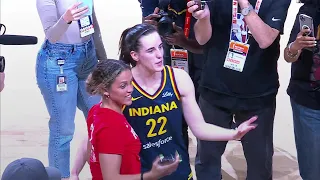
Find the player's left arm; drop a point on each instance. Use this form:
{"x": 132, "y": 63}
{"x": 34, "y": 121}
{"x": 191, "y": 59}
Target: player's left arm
{"x": 194, "y": 118}
{"x": 267, "y": 30}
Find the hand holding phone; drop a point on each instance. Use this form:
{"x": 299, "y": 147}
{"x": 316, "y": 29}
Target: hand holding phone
{"x": 89, "y": 4}
{"x": 306, "y": 22}
{"x": 166, "y": 160}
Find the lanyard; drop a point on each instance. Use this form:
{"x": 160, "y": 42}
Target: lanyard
{"x": 235, "y": 9}
{"x": 187, "y": 23}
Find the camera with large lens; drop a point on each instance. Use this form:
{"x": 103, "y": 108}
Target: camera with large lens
{"x": 165, "y": 21}
{"x": 166, "y": 18}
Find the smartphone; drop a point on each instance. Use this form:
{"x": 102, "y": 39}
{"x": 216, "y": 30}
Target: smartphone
{"x": 88, "y": 3}
{"x": 166, "y": 160}
{"x": 306, "y": 22}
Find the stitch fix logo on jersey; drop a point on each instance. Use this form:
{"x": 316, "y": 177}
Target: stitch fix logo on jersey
{"x": 144, "y": 111}
{"x": 157, "y": 143}
{"x": 167, "y": 94}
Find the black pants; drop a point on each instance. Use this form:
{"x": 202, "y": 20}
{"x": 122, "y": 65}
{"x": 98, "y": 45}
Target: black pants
{"x": 257, "y": 144}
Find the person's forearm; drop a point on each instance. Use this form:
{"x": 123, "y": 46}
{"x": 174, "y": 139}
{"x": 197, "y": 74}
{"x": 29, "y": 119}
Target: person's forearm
{"x": 292, "y": 55}
{"x": 193, "y": 46}
{"x": 146, "y": 176}
{"x": 203, "y": 30}
{"x": 81, "y": 158}
{"x": 261, "y": 32}
{"x": 209, "y": 132}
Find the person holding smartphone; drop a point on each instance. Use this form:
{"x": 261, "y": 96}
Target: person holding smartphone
{"x": 241, "y": 40}
{"x": 304, "y": 88}
{"x": 113, "y": 147}
{"x": 71, "y": 49}
{"x": 159, "y": 101}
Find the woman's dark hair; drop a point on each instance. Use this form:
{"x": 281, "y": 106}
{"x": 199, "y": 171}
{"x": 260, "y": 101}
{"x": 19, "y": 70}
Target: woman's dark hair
{"x": 314, "y": 3}
{"x": 129, "y": 41}
{"x": 104, "y": 75}
{"x": 310, "y": 7}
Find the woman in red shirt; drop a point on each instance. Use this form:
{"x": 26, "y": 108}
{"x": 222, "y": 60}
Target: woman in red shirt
{"x": 114, "y": 145}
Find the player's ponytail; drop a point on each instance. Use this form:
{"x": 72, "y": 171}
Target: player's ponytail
{"x": 129, "y": 41}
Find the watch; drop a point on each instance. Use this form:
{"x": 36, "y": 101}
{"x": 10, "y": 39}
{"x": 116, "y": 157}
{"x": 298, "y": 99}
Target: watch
{"x": 246, "y": 11}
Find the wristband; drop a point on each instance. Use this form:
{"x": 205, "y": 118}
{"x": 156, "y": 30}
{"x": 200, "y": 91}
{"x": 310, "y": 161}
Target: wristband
{"x": 289, "y": 52}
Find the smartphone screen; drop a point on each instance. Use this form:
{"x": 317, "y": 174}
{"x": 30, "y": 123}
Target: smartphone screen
{"x": 88, "y": 3}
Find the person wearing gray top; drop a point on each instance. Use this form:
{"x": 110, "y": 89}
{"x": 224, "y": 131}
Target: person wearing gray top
{"x": 71, "y": 49}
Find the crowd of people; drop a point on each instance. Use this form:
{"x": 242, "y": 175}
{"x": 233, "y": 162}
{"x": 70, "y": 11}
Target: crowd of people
{"x": 210, "y": 66}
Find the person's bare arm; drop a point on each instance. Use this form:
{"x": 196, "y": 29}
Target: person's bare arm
{"x": 202, "y": 27}
{"x": 261, "y": 31}
{"x": 297, "y": 42}
{"x": 194, "y": 118}
{"x": 193, "y": 46}
{"x": 83, "y": 156}
{"x": 110, "y": 168}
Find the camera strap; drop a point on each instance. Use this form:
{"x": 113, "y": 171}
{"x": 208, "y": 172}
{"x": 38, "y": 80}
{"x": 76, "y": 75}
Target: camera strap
{"x": 236, "y": 17}
{"x": 187, "y": 23}
{"x": 238, "y": 46}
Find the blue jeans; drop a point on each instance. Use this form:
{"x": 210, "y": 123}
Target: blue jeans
{"x": 79, "y": 62}
{"x": 307, "y": 136}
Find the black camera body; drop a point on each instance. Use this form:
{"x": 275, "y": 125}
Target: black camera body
{"x": 165, "y": 26}
{"x": 167, "y": 18}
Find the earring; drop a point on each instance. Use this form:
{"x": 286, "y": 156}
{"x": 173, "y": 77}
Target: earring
{"x": 108, "y": 96}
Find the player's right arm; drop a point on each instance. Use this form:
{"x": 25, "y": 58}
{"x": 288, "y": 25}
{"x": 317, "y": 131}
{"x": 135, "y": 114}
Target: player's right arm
{"x": 194, "y": 117}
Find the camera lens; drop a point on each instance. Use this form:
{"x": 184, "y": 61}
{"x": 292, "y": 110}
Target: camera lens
{"x": 165, "y": 26}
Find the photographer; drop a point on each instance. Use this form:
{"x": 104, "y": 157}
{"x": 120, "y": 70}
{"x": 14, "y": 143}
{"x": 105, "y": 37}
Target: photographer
{"x": 240, "y": 78}
{"x": 304, "y": 88}
{"x": 182, "y": 39}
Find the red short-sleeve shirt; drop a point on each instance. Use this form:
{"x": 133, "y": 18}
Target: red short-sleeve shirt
{"x": 110, "y": 133}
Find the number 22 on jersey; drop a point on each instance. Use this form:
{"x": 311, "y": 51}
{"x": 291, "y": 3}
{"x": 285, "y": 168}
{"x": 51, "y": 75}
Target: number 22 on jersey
{"x": 162, "y": 121}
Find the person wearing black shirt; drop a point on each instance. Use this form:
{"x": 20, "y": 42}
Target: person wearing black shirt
{"x": 150, "y": 9}
{"x": 239, "y": 77}
{"x": 304, "y": 90}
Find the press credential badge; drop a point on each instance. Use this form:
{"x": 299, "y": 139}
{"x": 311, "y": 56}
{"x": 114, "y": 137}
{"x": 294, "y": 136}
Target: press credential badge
{"x": 179, "y": 59}
{"x": 86, "y": 26}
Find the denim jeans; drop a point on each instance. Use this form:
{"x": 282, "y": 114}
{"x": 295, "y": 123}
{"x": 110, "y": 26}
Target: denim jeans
{"x": 257, "y": 144}
{"x": 306, "y": 123}
{"x": 79, "y": 62}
